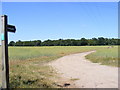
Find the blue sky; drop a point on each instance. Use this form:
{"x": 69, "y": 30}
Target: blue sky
{"x": 67, "y": 20}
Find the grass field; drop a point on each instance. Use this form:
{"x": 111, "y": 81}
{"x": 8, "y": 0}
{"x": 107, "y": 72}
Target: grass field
{"x": 28, "y": 67}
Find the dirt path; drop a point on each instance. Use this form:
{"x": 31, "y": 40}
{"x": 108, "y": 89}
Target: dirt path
{"x": 84, "y": 73}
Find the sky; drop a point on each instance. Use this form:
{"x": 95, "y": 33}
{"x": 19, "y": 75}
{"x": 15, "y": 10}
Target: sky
{"x": 65, "y": 20}
{"x": 60, "y": 0}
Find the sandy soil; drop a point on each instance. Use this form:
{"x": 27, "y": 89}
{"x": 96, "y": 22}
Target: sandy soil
{"x": 84, "y": 73}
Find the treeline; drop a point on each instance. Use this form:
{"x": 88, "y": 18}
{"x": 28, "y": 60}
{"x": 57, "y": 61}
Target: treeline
{"x": 68, "y": 42}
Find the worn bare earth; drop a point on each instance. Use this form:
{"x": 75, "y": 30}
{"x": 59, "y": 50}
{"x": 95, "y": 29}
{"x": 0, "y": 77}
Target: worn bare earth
{"x": 84, "y": 73}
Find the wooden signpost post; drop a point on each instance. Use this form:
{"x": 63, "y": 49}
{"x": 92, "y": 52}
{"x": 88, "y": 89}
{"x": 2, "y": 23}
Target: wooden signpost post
{"x": 4, "y": 42}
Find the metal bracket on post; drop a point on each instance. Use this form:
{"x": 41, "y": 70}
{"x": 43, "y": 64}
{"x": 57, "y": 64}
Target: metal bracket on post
{"x": 5, "y": 62}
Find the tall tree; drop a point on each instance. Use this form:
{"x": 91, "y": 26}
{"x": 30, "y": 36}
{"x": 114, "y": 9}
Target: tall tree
{"x": 101, "y": 41}
{"x": 84, "y": 42}
{"x": 12, "y": 43}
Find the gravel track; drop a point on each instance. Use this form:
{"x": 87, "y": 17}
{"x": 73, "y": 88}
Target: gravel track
{"x": 85, "y": 73}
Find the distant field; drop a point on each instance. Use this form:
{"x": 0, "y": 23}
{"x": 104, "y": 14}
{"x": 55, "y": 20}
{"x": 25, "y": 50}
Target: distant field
{"x": 23, "y": 53}
{"x": 28, "y": 67}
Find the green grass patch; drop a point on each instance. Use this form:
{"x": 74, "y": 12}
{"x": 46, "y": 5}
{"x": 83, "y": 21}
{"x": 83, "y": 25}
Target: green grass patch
{"x": 74, "y": 79}
{"x": 105, "y": 56}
